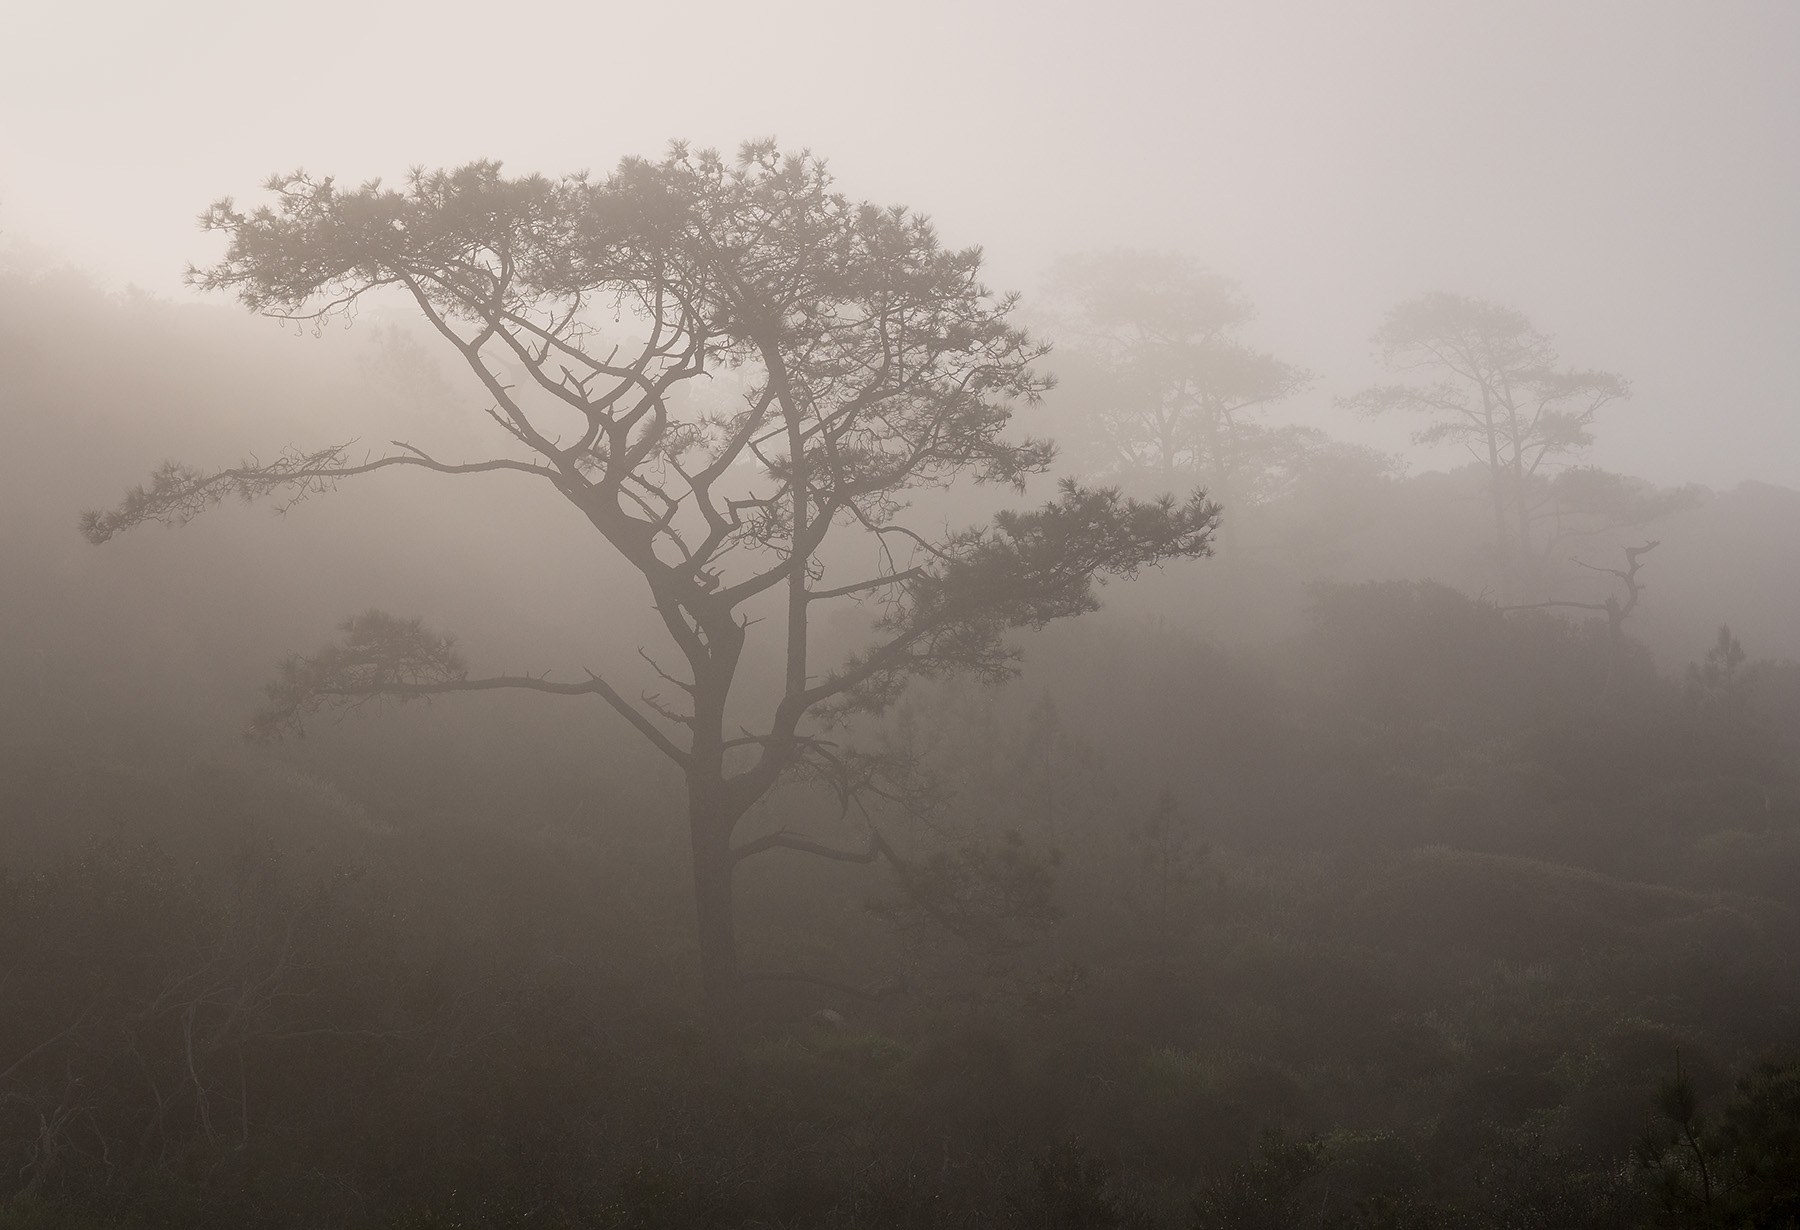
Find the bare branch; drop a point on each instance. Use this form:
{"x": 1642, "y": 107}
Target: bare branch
{"x": 177, "y": 493}
{"x": 842, "y": 591}
{"x": 382, "y": 656}
{"x": 784, "y": 840}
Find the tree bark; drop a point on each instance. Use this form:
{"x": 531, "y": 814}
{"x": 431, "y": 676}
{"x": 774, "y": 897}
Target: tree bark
{"x": 710, "y": 830}
{"x": 1529, "y": 573}
{"x": 1497, "y": 494}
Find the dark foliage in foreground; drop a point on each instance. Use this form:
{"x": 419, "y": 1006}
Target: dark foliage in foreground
{"x": 261, "y": 1002}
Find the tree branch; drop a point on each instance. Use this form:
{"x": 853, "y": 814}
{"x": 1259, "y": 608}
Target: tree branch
{"x": 177, "y": 493}
{"x": 878, "y": 848}
{"x": 842, "y": 591}
{"x": 381, "y": 655}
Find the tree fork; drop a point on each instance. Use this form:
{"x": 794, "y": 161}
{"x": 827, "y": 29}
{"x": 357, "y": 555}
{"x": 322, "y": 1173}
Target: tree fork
{"x": 887, "y": 367}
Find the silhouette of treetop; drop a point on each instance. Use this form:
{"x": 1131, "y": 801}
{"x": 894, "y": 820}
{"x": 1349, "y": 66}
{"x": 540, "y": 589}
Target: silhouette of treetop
{"x": 719, "y": 363}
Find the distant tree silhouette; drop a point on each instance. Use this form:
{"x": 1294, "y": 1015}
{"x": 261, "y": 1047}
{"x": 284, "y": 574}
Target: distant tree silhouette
{"x": 1493, "y": 384}
{"x": 1177, "y": 393}
{"x": 872, "y": 362}
{"x": 1172, "y": 863}
{"x": 1615, "y": 607}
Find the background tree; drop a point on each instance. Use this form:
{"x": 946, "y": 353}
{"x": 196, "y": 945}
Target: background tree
{"x": 1616, "y": 606}
{"x": 1061, "y": 775}
{"x": 1739, "y": 1166}
{"x": 1174, "y": 391}
{"x": 1173, "y": 860}
{"x": 873, "y": 363}
{"x": 1720, "y": 687}
{"x": 1497, "y": 388}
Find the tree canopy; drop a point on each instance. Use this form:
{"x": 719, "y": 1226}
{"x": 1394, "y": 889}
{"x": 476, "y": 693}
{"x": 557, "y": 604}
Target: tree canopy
{"x": 867, "y": 361}
{"x": 1176, "y": 392}
{"x": 1492, "y": 384}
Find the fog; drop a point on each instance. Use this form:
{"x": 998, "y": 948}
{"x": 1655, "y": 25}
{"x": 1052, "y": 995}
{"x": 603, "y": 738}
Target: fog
{"x": 1352, "y": 780}
{"x": 1619, "y": 170}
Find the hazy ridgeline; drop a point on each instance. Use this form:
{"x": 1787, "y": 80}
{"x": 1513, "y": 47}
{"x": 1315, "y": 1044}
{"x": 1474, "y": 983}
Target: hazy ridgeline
{"x": 1301, "y": 885}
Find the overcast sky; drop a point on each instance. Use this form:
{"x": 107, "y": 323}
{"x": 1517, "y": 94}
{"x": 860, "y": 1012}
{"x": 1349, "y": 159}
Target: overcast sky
{"x": 1626, "y": 173}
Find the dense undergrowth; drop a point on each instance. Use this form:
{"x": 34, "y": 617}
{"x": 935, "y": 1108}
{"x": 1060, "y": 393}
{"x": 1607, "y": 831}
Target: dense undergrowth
{"x": 1420, "y": 934}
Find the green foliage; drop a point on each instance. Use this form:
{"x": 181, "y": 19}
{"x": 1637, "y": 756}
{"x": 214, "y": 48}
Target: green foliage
{"x": 1738, "y": 1167}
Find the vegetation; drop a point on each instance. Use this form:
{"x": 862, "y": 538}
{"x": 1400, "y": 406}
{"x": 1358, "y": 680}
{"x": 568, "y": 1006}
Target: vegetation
{"x": 1490, "y": 383}
{"x": 1396, "y": 908}
{"x": 1171, "y": 391}
{"x": 871, "y": 362}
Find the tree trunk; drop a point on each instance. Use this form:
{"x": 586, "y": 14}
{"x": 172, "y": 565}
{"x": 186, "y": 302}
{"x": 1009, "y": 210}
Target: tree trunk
{"x": 1529, "y": 572}
{"x": 713, "y": 909}
{"x": 1497, "y": 494}
{"x": 1615, "y": 650}
{"x": 1223, "y": 447}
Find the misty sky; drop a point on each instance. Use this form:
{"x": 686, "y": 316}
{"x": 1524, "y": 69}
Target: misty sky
{"x": 1627, "y": 173}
